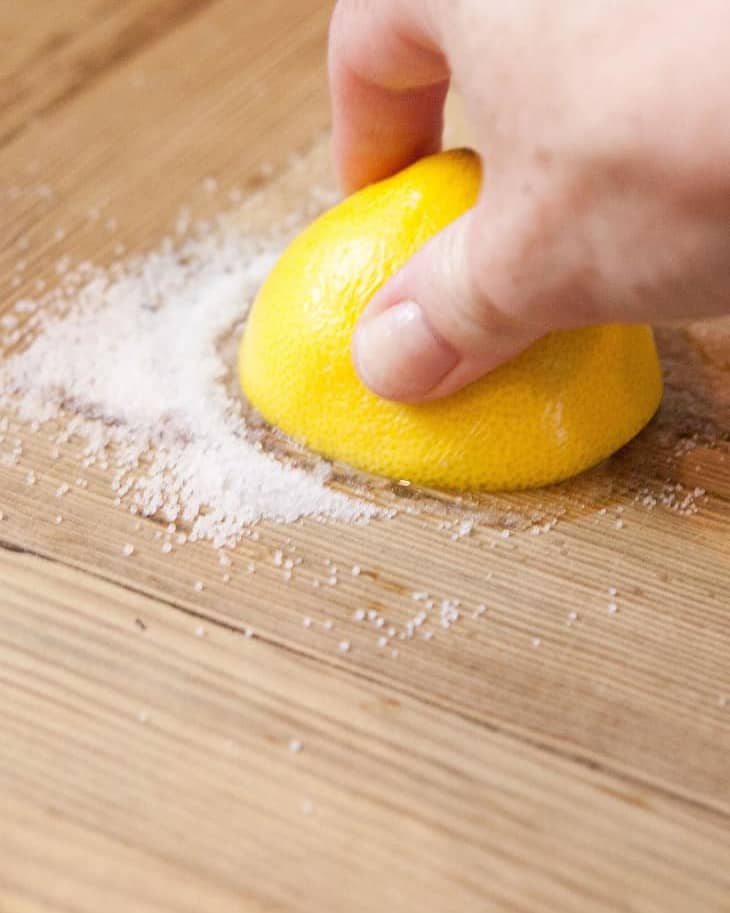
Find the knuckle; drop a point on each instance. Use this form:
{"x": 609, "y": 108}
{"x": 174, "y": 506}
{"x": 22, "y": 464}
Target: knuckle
{"x": 484, "y": 309}
{"x": 524, "y": 272}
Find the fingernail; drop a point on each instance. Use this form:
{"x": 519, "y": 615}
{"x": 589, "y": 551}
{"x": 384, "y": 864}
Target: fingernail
{"x": 398, "y": 355}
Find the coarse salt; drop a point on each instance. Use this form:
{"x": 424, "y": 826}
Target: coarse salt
{"x": 132, "y": 360}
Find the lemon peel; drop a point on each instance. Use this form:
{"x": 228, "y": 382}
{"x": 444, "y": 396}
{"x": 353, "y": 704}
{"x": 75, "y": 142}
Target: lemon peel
{"x": 565, "y": 404}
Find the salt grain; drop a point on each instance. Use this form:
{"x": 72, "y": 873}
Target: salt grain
{"x": 344, "y": 646}
{"x": 179, "y": 439}
{"x": 295, "y": 746}
{"x": 128, "y": 550}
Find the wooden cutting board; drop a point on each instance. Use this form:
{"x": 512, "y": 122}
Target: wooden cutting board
{"x": 543, "y": 754}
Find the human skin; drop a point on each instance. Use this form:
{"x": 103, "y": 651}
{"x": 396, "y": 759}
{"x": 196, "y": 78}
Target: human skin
{"x": 604, "y": 132}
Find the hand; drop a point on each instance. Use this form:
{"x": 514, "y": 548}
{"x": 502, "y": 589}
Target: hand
{"x": 604, "y": 132}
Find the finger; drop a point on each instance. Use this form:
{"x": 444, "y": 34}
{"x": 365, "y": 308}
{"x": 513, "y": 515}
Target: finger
{"x": 389, "y": 80}
{"x": 452, "y": 314}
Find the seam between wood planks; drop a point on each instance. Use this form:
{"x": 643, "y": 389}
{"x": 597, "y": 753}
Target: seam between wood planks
{"x": 131, "y": 42}
{"x": 520, "y": 737}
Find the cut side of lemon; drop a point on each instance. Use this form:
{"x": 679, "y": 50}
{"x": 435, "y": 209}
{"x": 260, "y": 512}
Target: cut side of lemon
{"x": 565, "y": 404}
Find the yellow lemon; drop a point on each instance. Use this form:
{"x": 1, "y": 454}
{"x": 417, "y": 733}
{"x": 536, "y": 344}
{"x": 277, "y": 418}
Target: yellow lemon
{"x": 561, "y": 406}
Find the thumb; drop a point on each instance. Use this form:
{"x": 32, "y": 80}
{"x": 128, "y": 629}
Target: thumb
{"x": 435, "y": 327}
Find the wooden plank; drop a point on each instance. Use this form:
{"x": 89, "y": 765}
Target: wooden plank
{"x": 474, "y": 771}
{"x": 621, "y": 690}
{"x": 144, "y": 768}
{"x": 627, "y": 691}
{"x": 80, "y": 182}
{"x": 52, "y": 50}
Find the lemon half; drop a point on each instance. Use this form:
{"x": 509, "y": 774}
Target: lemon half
{"x": 563, "y": 405}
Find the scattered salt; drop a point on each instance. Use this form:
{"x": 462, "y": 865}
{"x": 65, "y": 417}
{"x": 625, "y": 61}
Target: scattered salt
{"x": 177, "y": 437}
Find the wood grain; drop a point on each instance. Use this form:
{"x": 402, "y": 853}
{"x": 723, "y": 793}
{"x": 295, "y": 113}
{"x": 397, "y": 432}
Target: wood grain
{"x": 52, "y": 51}
{"x": 160, "y": 762}
{"x": 545, "y": 755}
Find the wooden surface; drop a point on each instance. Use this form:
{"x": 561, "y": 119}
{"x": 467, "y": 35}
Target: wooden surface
{"x": 525, "y": 760}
